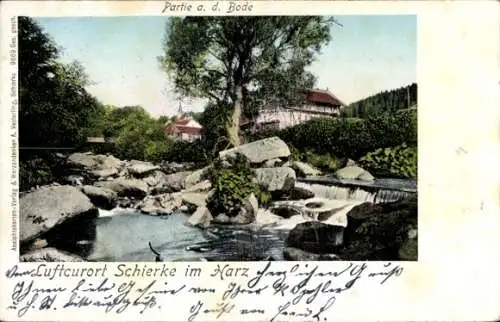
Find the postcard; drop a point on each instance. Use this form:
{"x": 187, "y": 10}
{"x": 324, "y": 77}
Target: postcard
{"x": 250, "y": 161}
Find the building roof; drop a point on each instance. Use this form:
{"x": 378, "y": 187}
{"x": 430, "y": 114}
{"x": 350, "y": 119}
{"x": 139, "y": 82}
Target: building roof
{"x": 183, "y": 124}
{"x": 321, "y": 96}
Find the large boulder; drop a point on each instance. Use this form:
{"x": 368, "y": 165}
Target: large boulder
{"x": 248, "y": 211}
{"x": 196, "y": 177}
{"x": 156, "y": 178}
{"x": 103, "y": 174}
{"x": 90, "y": 161}
{"x": 316, "y": 237}
{"x": 260, "y": 151}
{"x": 354, "y": 173}
{"x": 160, "y": 204}
{"x": 50, "y": 255}
{"x": 201, "y": 218}
{"x": 140, "y": 168}
{"x": 381, "y": 232}
{"x": 276, "y": 179}
{"x": 194, "y": 199}
{"x": 101, "y": 197}
{"x": 126, "y": 187}
{"x": 62, "y": 215}
{"x": 303, "y": 169}
{"x": 176, "y": 181}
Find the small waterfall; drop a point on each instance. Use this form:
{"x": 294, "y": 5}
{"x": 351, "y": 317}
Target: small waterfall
{"x": 341, "y": 193}
{"x": 112, "y": 212}
{"x": 376, "y": 195}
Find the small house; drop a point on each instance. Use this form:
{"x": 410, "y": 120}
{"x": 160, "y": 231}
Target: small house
{"x": 184, "y": 128}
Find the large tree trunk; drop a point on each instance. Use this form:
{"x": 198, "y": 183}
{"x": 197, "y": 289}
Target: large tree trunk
{"x": 233, "y": 128}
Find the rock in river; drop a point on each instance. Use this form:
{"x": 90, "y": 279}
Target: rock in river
{"x": 260, "y": 151}
{"x": 316, "y": 237}
{"x": 276, "y": 179}
{"x": 354, "y": 173}
{"x": 201, "y": 217}
{"x": 62, "y": 215}
{"x": 101, "y": 197}
{"x": 126, "y": 187}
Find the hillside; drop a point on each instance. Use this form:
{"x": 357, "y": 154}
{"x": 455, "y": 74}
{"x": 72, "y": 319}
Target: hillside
{"x": 392, "y": 100}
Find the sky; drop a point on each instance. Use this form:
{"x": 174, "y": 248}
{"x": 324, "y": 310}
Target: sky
{"x": 368, "y": 54}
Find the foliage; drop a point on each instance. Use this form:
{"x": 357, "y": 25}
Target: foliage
{"x": 232, "y": 184}
{"x": 324, "y": 162}
{"x": 40, "y": 168}
{"x": 55, "y": 109}
{"x": 137, "y": 135}
{"x": 214, "y": 120}
{"x": 242, "y": 62}
{"x": 349, "y": 137}
{"x": 400, "y": 161}
{"x": 184, "y": 151}
{"x": 386, "y": 101}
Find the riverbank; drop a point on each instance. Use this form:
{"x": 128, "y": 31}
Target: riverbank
{"x": 298, "y": 213}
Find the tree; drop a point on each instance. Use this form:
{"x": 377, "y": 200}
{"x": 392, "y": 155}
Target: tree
{"x": 242, "y": 62}
{"x": 55, "y": 109}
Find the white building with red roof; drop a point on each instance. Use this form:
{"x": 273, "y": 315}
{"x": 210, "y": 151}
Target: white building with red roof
{"x": 184, "y": 128}
{"x": 315, "y": 103}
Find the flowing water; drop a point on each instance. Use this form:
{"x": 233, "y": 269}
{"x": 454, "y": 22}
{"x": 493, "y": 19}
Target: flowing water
{"x": 380, "y": 190}
{"x": 123, "y": 234}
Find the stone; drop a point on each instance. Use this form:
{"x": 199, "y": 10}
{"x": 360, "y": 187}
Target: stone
{"x": 354, "y": 173}
{"x": 408, "y": 251}
{"x": 201, "y": 218}
{"x": 296, "y": 254}
{"x": 61, "y": 215}
{"x": 125, "y": 187}
{"x": 194, "y": 199}
{"x": 324, "y": 209}
{"x": 265, "y": 218}
{"x": 160, "y": 204}
{"x": 74, "y": 180}
{"x": 316, "y": 237}
{"x": 175, "y": 181}
{"x": 275, "y": 179}
{"x": 222, "y": 219}
{"x": 90, "y": 161}
{"x": 196, "y": 177}
{"x": 49, "y": 255}
{"x": 204, "y": 185}
{"x": 260, "y": 151}
{"x": 103, "y": 174}
{"x": 141, "y": 168}
{"x": 156, "y": 178}
{"x": 303, "y": 169}
{"x": 101, "y": 197}
{"x": 286, "y": 209}
{"x": 273, "y": 163}
{"x": 50, "y": 206}
{"x": 381, "y": 232}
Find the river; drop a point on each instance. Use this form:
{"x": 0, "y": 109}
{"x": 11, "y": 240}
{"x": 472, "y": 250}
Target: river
{"x": 124, "y": 236}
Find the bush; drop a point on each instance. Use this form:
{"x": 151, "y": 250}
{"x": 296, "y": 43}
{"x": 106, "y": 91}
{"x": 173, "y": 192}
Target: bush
{"x": 40, "y": 169}
{"x": 399, "y": 161}
{"x": 232, "y": 184}
{"x": 324, "y": 162}
{"x": 350, "y": 137}
{"x": 184, "y": 151}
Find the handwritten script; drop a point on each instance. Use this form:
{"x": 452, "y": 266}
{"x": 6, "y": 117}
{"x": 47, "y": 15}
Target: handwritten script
{"x": 302, "y": 292}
